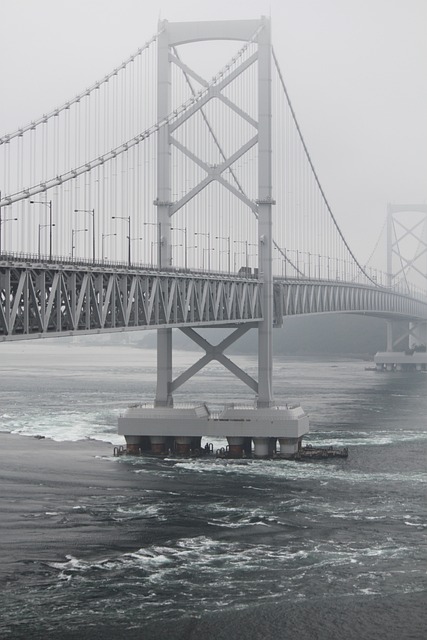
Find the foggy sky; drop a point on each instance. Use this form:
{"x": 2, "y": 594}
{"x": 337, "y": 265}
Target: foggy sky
{"x": 355, "y": 70}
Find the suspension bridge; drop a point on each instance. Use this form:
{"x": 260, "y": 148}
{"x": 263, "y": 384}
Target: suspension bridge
{"x": 158, "y": 198}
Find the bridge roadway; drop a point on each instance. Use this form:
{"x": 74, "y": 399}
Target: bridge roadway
{"x": 46, "y": 299}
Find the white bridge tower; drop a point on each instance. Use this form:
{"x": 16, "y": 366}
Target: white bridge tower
{"x": 163, "y": 425}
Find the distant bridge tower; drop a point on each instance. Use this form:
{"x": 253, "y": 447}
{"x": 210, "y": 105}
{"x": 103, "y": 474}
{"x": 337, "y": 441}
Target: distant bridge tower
{"x": 264, "y": 422}
{"x": 406, "y": 261}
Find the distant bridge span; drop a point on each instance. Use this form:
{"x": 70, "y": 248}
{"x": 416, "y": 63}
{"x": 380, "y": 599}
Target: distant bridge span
{"x": 42, "y": 299}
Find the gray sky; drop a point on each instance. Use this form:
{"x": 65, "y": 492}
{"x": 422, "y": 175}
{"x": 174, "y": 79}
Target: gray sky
{"x": 356, "y": 71}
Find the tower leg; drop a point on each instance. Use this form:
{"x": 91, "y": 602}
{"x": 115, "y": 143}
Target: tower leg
{"x": 265, "y": 225}
{"x": 164, "y": 368}
{"x": 389, "y": 335}
{"x": 417, "y": 335}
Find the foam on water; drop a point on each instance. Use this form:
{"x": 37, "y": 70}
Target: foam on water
{"x": 65, "y": 425}
{"x": 364, "y": 438}
{"x": 207, "y": 535}
{"x": 207, "y": 568}
{"x": 289, "y": 470}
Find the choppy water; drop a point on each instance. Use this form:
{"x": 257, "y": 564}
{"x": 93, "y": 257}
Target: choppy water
{"x": 215, "y": 535}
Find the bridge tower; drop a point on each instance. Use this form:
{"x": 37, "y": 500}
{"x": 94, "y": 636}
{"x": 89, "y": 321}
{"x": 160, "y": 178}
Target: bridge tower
{"x": 406, "y": 256}
{"x": 163, "y": 425}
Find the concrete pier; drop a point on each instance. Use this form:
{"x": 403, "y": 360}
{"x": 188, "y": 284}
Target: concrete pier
{"x": 401, "y": 361}
{"x": 235, "y": 446}
{"x": 158, "y": 444}
{"x": 185, "y": 425}
{"x": 288, "y": 447}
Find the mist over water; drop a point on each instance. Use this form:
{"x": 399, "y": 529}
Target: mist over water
{"x": 208, "y": 537}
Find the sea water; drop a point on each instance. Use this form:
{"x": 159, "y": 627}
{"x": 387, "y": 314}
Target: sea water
{"x": 220, "y": 535}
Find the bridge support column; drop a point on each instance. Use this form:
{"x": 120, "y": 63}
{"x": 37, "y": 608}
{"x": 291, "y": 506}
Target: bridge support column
{"x": 417, "y": 335}
{"x": 158, "y": 444}
{"x": 183, "y": 445}
{"x": 235, "y": 446}
{"x": 288, "y": 447}
{"x": 261, "y": 447}
{"x": 389, "y": 335}
{"x": 135, "y": 444}
{"x": 164, "y": 368}
{"x": 265, "y": 202}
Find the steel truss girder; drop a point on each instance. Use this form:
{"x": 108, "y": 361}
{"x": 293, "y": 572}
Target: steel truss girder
{"x": 37, "y": 301}
{"x": 303, "y": 297}
{"x": 44, "y": 300}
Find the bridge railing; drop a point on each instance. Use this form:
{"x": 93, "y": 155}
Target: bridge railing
{"x": 108, "y": 265}
{"x": 380, "y": 278}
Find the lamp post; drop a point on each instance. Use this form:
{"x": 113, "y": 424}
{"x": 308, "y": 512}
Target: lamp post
{"x": 208, "y": 236}
{"x": 103, "y": 236}
{"x": 247, "y": 245}
{"x": 238, "y": 253}
{"x": 159, "y": 240}
{"x": 208, "y": 251}
{"x": 178, "y": 244}
{"x": 229, "y": 249}
{"x": 319, "y": 267}
{"x": 1, "y": 223}
{"x": 92, "y": 213}
{"x": 184, "y": 231}
{"x": 193, "y": 246}
{"x": 41, "y": 226}
{"x": 127, "y": 218}
{"x": 133, "y": 240}
{"x": 47, "y": 204}
{"x": 152, "y": 245}
{"x": 73, "y": 237}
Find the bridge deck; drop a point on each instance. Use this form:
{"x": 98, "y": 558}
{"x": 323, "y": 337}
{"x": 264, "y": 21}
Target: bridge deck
{"x": 41, "y": 299}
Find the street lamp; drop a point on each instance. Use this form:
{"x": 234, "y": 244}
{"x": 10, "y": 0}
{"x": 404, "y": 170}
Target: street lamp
{"x": 178, "y": 244}
{"x": 103, "y": 236}
{"x": 73, "y": 236}
{"x": 127, "y": 218}
{"x": 152, "y": 245}
{"x": 92, "y": 213}
{"x": 229, "y": 249}
{"x": 319, "y": 267}
{"x": 208, "y": 235}
{"x": 184, "y": 231}
{"x": 41, "y": 226}
{"x": 208, "y": 251}
{"x": 247, "y": 244}
{"x": 47, "y": 204}
{"x": 193, "y": 246}
{"x": 237, "y": 253}
{"x": 133, "y": 240}
{"x": 1, "y": 223}
{"x": 159, "y": 241}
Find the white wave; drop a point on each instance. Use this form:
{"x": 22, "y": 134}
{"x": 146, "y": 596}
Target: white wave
{"x": 419, "y": 525}
{"x": 291, "y": 470}
{"x": 364, "y": 438}
{"x": 65, "y": 425}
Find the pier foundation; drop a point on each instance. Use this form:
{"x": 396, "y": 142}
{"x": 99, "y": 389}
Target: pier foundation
{"x": 240, "y": 424}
